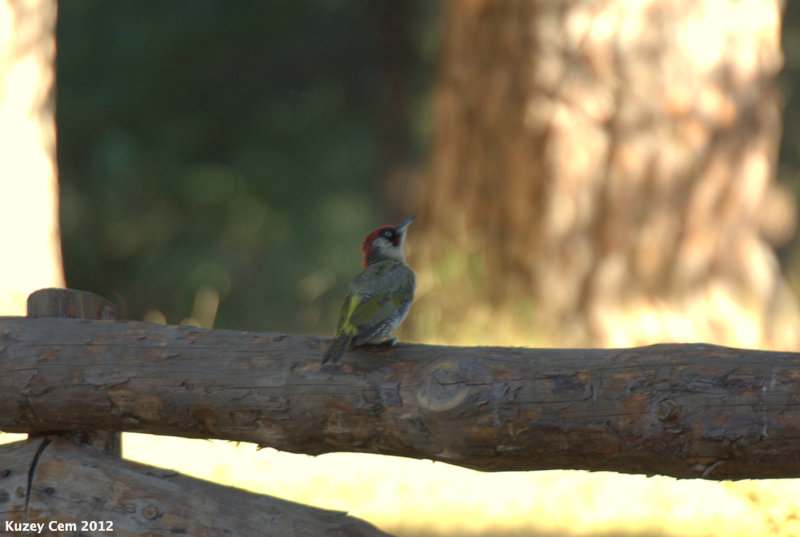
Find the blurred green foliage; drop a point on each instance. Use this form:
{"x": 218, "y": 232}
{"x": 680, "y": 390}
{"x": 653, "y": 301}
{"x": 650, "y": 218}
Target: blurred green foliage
{"x": 225, "y": 144}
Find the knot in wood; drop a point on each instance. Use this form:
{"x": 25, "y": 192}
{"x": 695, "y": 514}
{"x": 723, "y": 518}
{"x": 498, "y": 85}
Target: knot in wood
{"x": 444, "y": 386}
{"x": 151, "y": 512}
{"x": 667, "y": 410}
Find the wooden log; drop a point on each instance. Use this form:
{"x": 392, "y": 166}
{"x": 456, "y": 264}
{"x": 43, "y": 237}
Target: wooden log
{"x": 76, "y": 304}
{"x": 71, "y": 303}
{"x": 76, "y": 489}
{"x": 690, "y": 410}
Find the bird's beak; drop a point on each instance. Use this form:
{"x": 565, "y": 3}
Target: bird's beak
{"x": 402, "y": 227}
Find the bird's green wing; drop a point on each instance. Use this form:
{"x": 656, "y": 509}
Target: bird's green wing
{"x": 374, "y": 296}
{"x": 349, "y": 308}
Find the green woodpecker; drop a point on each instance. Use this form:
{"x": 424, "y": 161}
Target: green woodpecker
{"x": 379, "y": 297}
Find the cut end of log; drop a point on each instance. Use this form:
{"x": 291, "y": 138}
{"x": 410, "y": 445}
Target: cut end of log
{"x": 69, "y": 303}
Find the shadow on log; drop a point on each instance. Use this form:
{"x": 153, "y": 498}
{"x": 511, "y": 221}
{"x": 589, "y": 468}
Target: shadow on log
{"x": 680, "y": 410}
{"x": 51, "y": 482}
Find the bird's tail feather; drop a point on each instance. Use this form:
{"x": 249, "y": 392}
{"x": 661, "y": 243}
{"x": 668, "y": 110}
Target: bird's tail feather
{"x": 339, "y": 346}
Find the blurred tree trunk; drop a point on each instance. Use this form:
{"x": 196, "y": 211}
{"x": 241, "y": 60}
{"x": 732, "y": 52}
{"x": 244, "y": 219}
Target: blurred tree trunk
{"x": 31, "y": 253}
{"x": 603, "y": 172}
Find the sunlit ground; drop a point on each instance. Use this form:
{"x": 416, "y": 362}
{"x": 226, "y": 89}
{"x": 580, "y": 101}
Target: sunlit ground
{"x": 422, "y": 498}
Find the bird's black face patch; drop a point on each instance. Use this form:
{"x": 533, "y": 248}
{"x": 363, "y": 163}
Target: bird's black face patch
{"x": 391, "y": 235}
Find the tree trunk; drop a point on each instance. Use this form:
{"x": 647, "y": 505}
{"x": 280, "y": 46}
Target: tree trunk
{"x": 28, "y": 187}
{"x": 58, "y": 483}
{"x": 679, "y": 410}
{"x": 602, "y": 172}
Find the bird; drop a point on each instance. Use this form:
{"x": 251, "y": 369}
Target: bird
{"x": 379, "y": 297}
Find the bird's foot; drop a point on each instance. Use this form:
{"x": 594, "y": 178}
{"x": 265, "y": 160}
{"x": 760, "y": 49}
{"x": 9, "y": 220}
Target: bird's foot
{"x": 334, "y": 368}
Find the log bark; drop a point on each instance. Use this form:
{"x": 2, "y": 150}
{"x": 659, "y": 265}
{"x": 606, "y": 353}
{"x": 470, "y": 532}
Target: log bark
{"x": 56, "y": 481}
{"x": 684, "y": 410}
{"x": 77, "y": 304}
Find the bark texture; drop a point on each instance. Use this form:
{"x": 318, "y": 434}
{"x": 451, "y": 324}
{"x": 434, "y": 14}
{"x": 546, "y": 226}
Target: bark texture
{"x": 76, "y": 304}
{"x": 602, "y": 174}
{"x": 59, "y": 482}
{"x": 679, "y": 410}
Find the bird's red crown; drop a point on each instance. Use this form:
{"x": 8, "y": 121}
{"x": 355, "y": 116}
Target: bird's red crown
{"x": 367, "y": 246}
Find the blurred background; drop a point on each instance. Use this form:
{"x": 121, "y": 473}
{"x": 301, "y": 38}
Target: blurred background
{"x": 592, "y": 173}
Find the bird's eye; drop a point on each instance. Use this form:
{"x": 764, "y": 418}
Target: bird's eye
{"x": 388, "y": 234}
